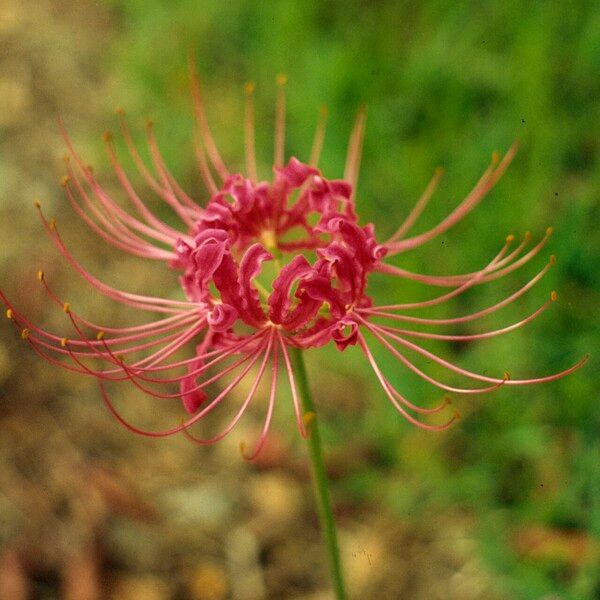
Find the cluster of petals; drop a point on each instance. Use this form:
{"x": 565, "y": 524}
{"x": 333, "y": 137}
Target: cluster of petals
{"x": 301, "y": 232}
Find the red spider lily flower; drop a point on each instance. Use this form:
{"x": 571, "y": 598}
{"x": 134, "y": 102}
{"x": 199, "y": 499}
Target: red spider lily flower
{"x": 301, "y": 230}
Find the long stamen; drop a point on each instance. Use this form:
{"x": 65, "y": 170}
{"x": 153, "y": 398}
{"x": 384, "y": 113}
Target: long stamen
{"x": 280, "y": 121}
{"x": 378, "y": 312}
{"x": 245, "y": 404}
{"x": 474, "y": 280}
{"x": 418, "y": 208}
{"x": 147, "y": 302}
{"x": 473, "y": 337}
{"x": 292, "y": 381}
{"x": 466, "y": 206}
{"x": 265, "y": 430}
{"x": 452, "y": 280}
{"x": 203, "y": 127}
{"x": 187, "y": 424}
{"x": 249, "y": 141}
{"x": 392, "y": 397}
{"x": 450, "y": 366}
{"x": 319, "y": 138}
{"x": 377, "y": 331}
{"x": 355, "y": 149}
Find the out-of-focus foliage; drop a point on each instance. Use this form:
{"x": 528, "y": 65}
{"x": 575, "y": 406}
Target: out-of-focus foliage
{"x": 445, "y": 85}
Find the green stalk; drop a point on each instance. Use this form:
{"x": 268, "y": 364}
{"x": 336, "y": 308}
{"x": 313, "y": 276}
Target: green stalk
{"x": 319, "y": 475}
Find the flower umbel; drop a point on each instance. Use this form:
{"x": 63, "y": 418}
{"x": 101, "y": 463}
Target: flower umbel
{"x": 265, "y": 266}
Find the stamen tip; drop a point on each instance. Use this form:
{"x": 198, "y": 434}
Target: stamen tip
{"x": 40, "y": 275}
{"x": 309, "y": 417}
{"x": 495, "y": 157}
{"x": 149, "y": 124}
{"x": 243, "y": 448}
{"x": 120, "y": 111}
{"x": 457, "y": 416}
{"x": 281, "y": 79}
{"x": 52, "y": 224}
{"x": 549, "y": 230}
{"x": 107, "y": 136}
{"x": 510, "y": 238}
{"x": 9, "y": 314}
{"x": 249, "y": 88}
{"x": 323, "y": 111}
{"x": 66, "y": 307}
{"x": 439, "y": 171}
{"x": 100, "y": 336}
{"x": 528, "y": 235}
{"x": 447, "y": 400}
{"x": 553, "y": 296}
{"x": 37, "y": 204}
{"x": 552, "y": 259}
{"x": 25, "y": 334}
{"x": 64, "y": 342}
{"x": 506, "y": 376}
{"x": 64, "y": 182}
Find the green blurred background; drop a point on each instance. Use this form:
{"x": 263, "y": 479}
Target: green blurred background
{"x": 504, "y": 505}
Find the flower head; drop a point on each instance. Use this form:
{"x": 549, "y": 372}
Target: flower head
{"x": 264, "y": 266}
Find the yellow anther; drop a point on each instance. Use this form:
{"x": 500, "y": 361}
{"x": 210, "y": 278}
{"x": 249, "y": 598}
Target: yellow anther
{"x": 100, "y": 336}
{"x": 38, "y": 204}
{"x": 107, "y": 136}
{"x": 323, "y": 111}
{"x": 309, "y": 417}
{"x": 65, "y": 181}
{"x": 66, "y": 159}
{"x": 9, "y": 314}
{"x": 243, "y": 449}
{"x": 25, "y": 334}
{"x": 552, "y": 259}
{"x": 506, "y": 376}
{"x": 149, "y": 123}
{"x": 67, "y": 307}
{"x": 457, "y": 416}
{"x": 52, "y": 224}
{"x": 549, "y": 230}
{"x": 90, "y": 169}
{"x": 40, "y": 275}
{"x": 439, "y": 171}
{"x": 281, "y": 79}
{"x": 528, "y": 235}
{"x": 249, "y": 87}
{"x": 495, "y": 158}
{"x": 120, "y": 358}
{"x": 510, "y": 238}
{"x": 447, "y": 400}
{"x": 120, "y": 111}
{"x": 64, "y": 342}
{"x": 553, "y": 296}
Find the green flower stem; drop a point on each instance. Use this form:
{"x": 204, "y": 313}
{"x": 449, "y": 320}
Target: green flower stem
{"x": 319, "y": 475}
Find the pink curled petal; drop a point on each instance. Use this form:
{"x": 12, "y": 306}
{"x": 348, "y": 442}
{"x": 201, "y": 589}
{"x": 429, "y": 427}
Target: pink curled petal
{"x": 226, "y": 279}
{"x": 222, "y": 317}
{"x": 250, "y": 266}
{"x": 191, "y": 397}
{"x": 345, "y": 333}
{"x": 295, "y": 173}
{"x": 242, "y": 192}
{"x": 279, "y": 300}
{"x": 319, "y": 288}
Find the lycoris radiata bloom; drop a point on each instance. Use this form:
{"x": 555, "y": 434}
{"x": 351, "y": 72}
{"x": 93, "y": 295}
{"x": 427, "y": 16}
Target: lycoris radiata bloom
{"x": 300, "y": 228}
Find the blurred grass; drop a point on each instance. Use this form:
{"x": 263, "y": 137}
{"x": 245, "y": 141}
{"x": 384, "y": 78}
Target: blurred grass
{"x": 445, "y": 84}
